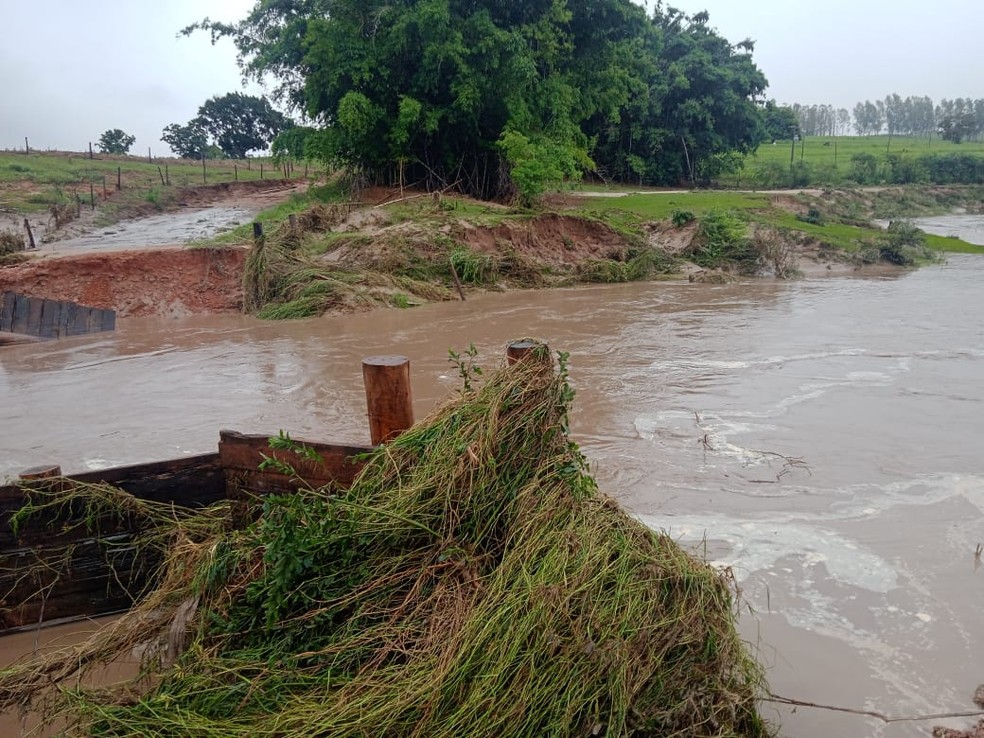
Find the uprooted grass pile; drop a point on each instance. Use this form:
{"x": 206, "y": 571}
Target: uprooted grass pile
{"x": 471, "y": 582}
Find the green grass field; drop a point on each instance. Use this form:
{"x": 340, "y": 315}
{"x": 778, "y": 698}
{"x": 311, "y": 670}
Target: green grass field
{"x": 32, "y": 182}
{"x": 628, "y": 212}
{"x": 839, "y": 149}
{"x": 830, "y": 157}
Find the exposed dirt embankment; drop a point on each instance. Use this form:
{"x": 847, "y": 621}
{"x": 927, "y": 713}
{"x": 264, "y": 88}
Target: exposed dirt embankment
{"x": 552, "y": 239}
{"x": 162, "y": 282}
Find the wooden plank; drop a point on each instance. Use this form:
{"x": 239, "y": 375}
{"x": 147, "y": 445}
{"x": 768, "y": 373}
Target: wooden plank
{"x": 51, "y": 319}
{"x": 7, "y": 312}
{"x": 241, "y": 456}
{"x": 97, "y": 577}
{"x": 34, "y": 307}
{"x": 70, "y": 320}
{"x": 18, "y": 323}
{"x": 194, "y": 481}
{"x": 89, "y": 571}
{"x": 93, "y": 319}
{"x": 89, "y": 567}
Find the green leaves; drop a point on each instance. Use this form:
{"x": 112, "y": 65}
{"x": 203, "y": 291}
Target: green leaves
{"x": 444, "y": 92}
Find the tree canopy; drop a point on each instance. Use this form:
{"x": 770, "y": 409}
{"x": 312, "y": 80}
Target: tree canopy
{"x": 493, "y": 96}
{"x": 115, "y": 141}
{"x": 235, "y": 123}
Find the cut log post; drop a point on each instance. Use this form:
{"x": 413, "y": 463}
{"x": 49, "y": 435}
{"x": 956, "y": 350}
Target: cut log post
{"x": 36, "y": 473}
{"x": 388, "y": 397}
{"x": 457, "y": 282}
{"x": 519, "y": 350}
{"x": 30, "y": 234}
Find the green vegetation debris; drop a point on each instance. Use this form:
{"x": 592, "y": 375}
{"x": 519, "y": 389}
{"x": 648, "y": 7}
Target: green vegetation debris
{"x": 472, "y": 582}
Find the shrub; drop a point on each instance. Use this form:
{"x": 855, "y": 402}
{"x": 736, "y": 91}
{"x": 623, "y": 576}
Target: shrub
{"x": 681, "y": 218}
{"x": 721, "y": 239}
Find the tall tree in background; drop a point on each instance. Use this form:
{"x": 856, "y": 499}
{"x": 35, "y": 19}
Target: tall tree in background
{"x": 115, "y": 141}
{"x": 235, "y": 124}
{"x": 239, "y": 124}
{"x": 189, "y": 141}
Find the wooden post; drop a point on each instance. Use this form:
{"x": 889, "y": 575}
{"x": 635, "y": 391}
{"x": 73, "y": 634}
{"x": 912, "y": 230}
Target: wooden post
{"x": 204, "y": 171}
{"x": 30, "y": 234}
{"x": 27, "y": 146}
{"x": 457, "y": 282}
{"x": 261, "y": 170}
{"x": 119, "y": 178}
{"x": 161, "y": 172}
{"x": 235, "y": 168}
{"x": 519, "y": 350}
{"x": 35, "y": 473}
{"x": 387, "y": 381}
{"x": 292, "y": 221}
{"x": 92, "y": 195}
{"x": 257, "y": 231}
{"x": 90, "y": 149}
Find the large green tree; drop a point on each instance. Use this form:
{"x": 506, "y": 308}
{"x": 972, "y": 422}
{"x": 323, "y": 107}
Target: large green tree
{"x": 115, "y": 141}
{"x": 239, "y": 124}
{"x": 491, "y": 96}
{"x": 189, "y": 141}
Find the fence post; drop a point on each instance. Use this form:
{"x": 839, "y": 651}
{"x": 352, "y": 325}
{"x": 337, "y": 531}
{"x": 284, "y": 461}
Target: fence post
{"x": 519, "y": 350}
{"x": 388, "y": 396}
{"x": 30, "y": 234}
{"x": 35, "y": 473}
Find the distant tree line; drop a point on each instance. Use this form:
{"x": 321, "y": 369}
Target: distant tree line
{"x": 953, "y": 120}
{"x": 500, "y": 97}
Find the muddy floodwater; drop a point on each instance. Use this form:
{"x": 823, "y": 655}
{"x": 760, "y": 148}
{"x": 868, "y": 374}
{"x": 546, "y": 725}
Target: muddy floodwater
{"x": 821, "y": 438}
{"x": 166, "y": 229}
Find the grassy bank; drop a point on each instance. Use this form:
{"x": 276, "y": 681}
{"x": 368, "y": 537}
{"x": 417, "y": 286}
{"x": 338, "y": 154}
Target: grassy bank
{"x": 840, "y": 219}
{"x": 33, "y": 182}
{"x": 341, "y": 255}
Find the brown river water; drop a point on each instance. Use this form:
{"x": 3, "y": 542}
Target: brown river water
{"x": 822, "y": 438}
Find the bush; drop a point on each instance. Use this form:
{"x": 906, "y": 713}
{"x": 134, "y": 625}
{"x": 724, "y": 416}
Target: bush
{"x": 814, "y": 216}
{"x": 953, "y": 168}
{"x": 10, "y": 242}
{"x": 905, "y": 170}
{"x": 721, "y": 239}
{"x": 864, "y": 169}
{"x": 904, "y": 245}
{"x": 681, "y": 218}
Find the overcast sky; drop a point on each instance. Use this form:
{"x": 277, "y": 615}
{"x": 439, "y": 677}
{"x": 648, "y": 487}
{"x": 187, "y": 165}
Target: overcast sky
{"x": 70, "y": 70}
